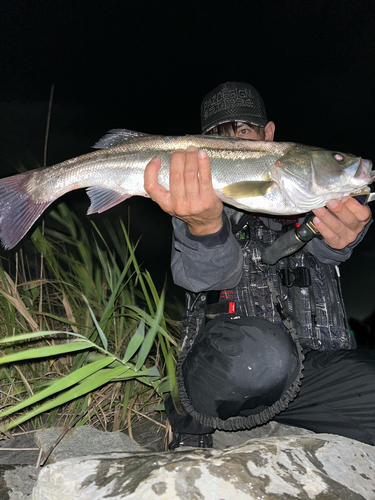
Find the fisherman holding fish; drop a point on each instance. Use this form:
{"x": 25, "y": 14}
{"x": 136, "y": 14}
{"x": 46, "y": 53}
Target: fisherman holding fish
{"x": 260, "y": 341}
{"x": 265, "y": 334}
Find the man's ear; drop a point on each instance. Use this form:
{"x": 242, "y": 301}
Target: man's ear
{"x": 269, "y": 131}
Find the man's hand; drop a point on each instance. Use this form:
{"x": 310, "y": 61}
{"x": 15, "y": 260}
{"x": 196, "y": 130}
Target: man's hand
{"x": 191, "y": 196}
{"x": 342, "y": 228}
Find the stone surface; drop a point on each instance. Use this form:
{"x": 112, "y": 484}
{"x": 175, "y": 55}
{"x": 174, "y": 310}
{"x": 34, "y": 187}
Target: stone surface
{"x": 317, "y": 466}
{"x": 82, "y": 441}
{"x": 269, "y": 462}
{"x": 17, "y": 482}
{"x": 20, "y": 453}
{"x": 223, "y": 439}
{"x": 18, "y": 474}
{"x": 149, "y": 434}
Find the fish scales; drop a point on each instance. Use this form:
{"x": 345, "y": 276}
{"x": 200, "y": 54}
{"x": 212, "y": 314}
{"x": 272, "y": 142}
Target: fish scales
{"x": 108, "y": 166}
{"x": 258, "y": 176}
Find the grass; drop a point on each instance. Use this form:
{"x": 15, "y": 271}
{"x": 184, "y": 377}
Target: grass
{"x": 84, "y": 333}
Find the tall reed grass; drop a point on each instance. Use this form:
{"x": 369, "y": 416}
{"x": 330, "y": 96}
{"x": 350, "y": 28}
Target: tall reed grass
{"x": 84, "y": 332}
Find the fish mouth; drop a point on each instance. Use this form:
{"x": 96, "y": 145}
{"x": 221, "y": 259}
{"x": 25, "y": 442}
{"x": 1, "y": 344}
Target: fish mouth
{"x": 364, "y": 171}
{"x": 363, "y": 175}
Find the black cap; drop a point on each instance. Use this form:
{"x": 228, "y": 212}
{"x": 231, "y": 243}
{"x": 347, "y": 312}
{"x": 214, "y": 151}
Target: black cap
{"x": 232, "y": 101}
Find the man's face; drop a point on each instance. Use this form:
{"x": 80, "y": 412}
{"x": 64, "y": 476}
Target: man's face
{"x": 244, "y": 131}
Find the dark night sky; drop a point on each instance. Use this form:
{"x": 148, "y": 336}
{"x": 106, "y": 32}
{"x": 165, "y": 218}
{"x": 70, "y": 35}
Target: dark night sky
{"x": 146, "y": 65}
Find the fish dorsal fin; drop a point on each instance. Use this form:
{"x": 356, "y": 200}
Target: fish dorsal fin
{"x": 103, "y": 199}
{"x": 118, "y": 136}
{"x": 247, "y": 189}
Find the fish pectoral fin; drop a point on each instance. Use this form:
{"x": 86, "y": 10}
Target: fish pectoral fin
{"x": 247, "y": 189}
{"x": 103, "y": 199}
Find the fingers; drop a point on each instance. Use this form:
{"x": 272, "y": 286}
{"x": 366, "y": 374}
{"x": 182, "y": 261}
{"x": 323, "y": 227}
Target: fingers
{"x": 205, "y": 177}
{"x": 331, "y": 236}
{"x": 191, "y": 196}
{"x": 341, "y": 224}
{"x": 156, "y": 191}
{"x": 183, "y": 180}
{"x": 362, "y": 213}
{"x": 191, "y": 182}
{"x": 151, "y": 175}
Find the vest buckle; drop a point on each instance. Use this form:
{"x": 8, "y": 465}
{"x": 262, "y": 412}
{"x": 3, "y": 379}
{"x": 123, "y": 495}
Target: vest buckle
{"x": 297, "y": 276}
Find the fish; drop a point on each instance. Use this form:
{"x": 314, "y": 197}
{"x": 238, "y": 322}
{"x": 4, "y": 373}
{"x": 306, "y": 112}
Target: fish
{"x": 276, "y": 178}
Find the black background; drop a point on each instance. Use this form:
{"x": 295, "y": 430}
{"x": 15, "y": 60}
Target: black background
{"x": 146, "y": 65}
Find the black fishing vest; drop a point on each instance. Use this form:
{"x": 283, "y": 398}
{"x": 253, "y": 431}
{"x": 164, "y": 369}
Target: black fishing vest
{"x": 308, "y": 292}
{"x": 299, "y": 289}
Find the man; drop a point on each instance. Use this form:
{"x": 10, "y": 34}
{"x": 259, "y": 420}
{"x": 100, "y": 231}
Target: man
{"x": 242, "y": 370}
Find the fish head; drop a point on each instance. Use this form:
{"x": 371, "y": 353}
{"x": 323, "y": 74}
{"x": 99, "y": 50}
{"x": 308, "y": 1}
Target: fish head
{"x": 339, "y": 172}
{"x": 311, "y": 176}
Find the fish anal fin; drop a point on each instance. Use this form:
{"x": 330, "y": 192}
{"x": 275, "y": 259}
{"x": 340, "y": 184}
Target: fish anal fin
{"x": 103, "y": 199}
{"x": 247, "y": 189}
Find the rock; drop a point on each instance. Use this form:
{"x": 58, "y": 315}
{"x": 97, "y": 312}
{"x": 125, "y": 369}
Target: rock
{"x": 222, "y": 439}
{"x": 317, "y": 466}
{"x": 82, "y": 441}
{"x": 17, "y": 476}
{"x": 19, "y": 450}
{"x": 149, "y": 434}
{"x": 17, "y": 482}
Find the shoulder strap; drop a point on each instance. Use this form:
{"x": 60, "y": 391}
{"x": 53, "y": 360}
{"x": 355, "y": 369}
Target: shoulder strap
{"x": 246, "y": 217}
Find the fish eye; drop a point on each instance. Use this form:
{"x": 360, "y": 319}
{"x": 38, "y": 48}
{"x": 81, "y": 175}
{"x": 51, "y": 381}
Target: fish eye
{"x": 338, "y": 157}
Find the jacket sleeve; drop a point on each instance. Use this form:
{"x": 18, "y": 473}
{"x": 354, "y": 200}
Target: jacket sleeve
{"x": 327, "y": 255}
{"x": 202, "y": 263}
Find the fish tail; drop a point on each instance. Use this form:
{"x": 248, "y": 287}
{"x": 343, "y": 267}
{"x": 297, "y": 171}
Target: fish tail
{"x": 18, "y": 209}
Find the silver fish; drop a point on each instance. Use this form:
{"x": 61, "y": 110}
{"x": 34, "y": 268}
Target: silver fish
{"x": 257, "y": 176}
